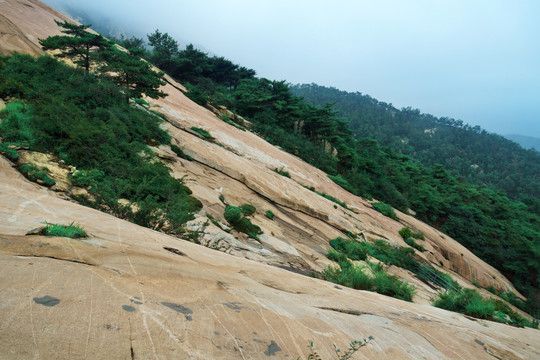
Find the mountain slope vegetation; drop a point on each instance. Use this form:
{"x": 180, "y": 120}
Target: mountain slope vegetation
{"x": 85, "y": 121}
{"x": 502, "y": 231}
{"x": 467, "y": 151}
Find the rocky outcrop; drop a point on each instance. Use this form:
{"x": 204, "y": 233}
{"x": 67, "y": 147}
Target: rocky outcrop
{"x": 129, "y": 292}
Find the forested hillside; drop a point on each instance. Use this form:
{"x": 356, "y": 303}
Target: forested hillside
{"x": 526, "y": 142}
{"x": 467, "y": 151}
{"x": 501, "y": 231}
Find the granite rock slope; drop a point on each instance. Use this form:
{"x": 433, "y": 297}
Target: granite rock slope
{"x": 129, "y": 292}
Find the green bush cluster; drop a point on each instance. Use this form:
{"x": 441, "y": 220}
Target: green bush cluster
{"x": 300, "y": 121}
{"x": 393, "y": 255}
{"x": 86, "y": 121}
{"x": 406, "y": 232}
{"x": 235, "y": 215}
{"x": 351, "y": 249}
{"x": 408, "y": 235}
{"x": 10, "y": 153}
{"x": 385, "y": 209}
{"x": 470, "y": 302}
{"x": 34, "y": 173}
{"x": 355, "y": 277}
{"x": 247, "y": 209}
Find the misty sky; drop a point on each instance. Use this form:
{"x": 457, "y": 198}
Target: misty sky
{"x": 478, "y": 61}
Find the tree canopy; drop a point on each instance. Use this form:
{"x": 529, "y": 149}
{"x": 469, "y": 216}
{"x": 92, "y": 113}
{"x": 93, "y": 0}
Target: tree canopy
{"x": 79, "y": 45}
{"x": 133, "y": 74}
{"x": 125, "y": 69}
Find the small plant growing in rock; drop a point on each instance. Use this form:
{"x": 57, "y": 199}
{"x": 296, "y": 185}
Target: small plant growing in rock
{"x": 205, "y": 134}
{"x": 283, "y": 172}
{"x": 269, "y": 214}
{"x": 235, "y": 216}
{"x": 34, "y": 173}
{"x": 71, "y": 231}
{"x": 181, "y": 154}
{"x": 354, "y": 346}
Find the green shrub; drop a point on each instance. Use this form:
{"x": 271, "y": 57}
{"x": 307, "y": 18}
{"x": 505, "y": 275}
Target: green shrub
{"x": 226, "y": 118}
{"x": 385, "y": 209}
{"x": 16, "y": 124}
{"x": 141, "y": 102}
{"x": 406, "y": 232}
{"x": 195, "y": 94}
{"x": 410, "y": 241}
{"x": 480, "y": 308}
{"x": 470, "y": 302}
{"x": 205, "y": 134}
{"x": 247, "y": 209}
{"x": 10, "y": 153}
{"x": 354, "y": 250}
{"x": 354, "y": 276}
{"x": 390, "y": 285}
{"x": 235, "y": 216}
{"x": 337, "y": 256}
{"x": 357, "y": 279}
{"x": 71, "y": 231}
{"x": 180, "y": 153}
{"x": 341, "y": 181}
{"x": 269, "y": 214}
{"x": 398, "y": 256}
{"x": 86, "y": 121}
{"x": 283, "y": 172}
{"x": 34, "y": 173}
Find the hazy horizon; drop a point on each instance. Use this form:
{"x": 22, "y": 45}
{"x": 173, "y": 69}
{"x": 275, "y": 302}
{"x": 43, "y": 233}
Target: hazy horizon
{"x": 473, "y": 61}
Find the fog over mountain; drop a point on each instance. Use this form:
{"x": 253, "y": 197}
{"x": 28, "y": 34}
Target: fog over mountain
{"x": 474, "y": 61}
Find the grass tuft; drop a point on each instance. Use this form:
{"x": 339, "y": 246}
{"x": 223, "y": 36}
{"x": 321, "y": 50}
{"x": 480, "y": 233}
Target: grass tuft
{"x": 71, "y": 231}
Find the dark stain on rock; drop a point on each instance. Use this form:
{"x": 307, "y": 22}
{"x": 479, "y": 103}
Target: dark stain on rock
{"x": 478, "y": 342}
{"x": 257, "y": 340}
{"x": 234, "y": 305}
{"x": 47, "y": 301}
{"x": 174, "y": 251}
{"x": 216, "y": 332}
{"x": 128, "y": 308}
{"x": 272, "y": 349}
{"x": 179, "y": 308}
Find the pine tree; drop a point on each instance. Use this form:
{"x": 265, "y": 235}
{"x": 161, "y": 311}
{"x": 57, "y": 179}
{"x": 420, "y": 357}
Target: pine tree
{"x": 132, "y": 73}
{"x": 79, "y": 45}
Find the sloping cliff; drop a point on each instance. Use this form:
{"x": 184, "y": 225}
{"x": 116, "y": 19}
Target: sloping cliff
{"x": 129, "y": 292}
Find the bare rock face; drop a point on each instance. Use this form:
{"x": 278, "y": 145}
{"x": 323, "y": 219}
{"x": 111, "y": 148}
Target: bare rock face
{"x": 130, "y": 292}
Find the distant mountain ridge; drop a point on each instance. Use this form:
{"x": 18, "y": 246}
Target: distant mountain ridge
{"x": 526, "y": 142}
{"x": 468, "y": 151}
